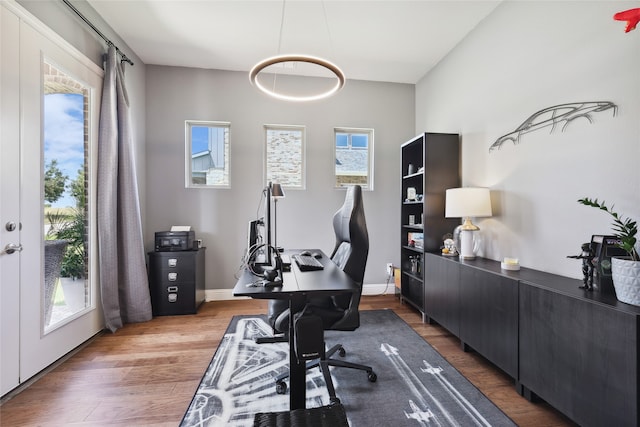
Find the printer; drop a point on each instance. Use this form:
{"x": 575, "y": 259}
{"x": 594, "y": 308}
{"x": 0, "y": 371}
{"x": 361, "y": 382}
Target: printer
{"x": 178, "y": 239}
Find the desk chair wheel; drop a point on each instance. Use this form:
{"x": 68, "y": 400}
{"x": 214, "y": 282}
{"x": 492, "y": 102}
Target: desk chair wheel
{"x": 342, "y": 352}
{"x": 372, "y": 377}
{"x": 281, "y": 387}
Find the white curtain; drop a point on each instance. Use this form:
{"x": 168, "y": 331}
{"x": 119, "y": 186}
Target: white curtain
{"x": 123, "y": 274}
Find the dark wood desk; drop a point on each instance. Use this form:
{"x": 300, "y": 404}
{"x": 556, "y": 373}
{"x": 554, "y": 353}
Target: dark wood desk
{"x": 297, "y": 286}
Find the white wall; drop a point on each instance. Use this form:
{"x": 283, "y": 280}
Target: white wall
{"x": 522, "y": 58}
{"x": 220, "y": 216}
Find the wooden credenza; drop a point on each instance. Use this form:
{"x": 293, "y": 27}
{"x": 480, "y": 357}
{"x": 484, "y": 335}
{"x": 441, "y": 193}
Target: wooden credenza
{"x": 575, "y": 349}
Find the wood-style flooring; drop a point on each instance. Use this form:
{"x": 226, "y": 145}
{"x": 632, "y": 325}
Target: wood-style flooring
{"x": 146, "y": 374}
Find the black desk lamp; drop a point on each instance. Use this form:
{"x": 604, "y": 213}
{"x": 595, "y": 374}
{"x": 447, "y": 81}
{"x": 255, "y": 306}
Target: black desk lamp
{"x": 277, "y": 192}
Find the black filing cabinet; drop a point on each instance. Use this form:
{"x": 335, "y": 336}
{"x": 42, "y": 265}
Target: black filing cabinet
{"x": 176, "y": 281}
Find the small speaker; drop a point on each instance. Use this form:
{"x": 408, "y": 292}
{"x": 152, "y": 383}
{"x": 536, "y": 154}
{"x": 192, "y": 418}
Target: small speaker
{"x": 308, "y": 336}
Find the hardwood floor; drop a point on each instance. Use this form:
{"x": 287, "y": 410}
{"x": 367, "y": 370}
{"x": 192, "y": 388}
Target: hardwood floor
{"x": 147, "y": 373}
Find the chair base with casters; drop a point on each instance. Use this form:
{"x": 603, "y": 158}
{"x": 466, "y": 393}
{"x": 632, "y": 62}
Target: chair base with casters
{"x": 281, "y": 385}
{"x": 273, "y": 339}
{"x": 324, "y": 416}
{"x": 276, "y": 307}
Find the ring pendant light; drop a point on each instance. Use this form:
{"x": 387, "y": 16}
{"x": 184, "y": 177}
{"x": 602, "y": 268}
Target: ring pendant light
{"x": 282, "y": 59}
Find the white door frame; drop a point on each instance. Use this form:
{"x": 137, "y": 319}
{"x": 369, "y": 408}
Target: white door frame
{"x": 37, "y": 349}
{"x": 9, "y": 202}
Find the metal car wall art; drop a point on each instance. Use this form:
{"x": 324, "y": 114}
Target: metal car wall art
{"x": 631, "y": 16}
{"x": 553, "y": 117}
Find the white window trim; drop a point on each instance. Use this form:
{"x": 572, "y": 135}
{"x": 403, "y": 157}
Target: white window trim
{"x": 344, "y": 129}
{"x": 188, "y": 173}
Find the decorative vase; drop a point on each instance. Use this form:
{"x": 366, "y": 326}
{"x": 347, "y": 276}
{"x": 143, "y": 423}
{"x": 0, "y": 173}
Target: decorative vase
{"x": 626, "y": 280}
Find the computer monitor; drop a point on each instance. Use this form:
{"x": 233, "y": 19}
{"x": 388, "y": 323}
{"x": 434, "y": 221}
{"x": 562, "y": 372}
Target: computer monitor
{"x": 259, "y": 249}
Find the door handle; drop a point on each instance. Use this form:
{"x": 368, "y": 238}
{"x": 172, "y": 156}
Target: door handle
{"x": 11, "y": 248}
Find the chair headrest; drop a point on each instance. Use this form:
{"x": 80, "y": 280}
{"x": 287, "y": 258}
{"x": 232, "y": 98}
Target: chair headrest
{"x": 352, "y": 239}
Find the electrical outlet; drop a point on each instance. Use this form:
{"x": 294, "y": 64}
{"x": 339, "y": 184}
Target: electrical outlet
{"x": 389, "y": 269}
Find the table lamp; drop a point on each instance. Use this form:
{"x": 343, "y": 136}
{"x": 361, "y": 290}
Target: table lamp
{"x": 465, "y": 203}
{"x": 277, "y": 192}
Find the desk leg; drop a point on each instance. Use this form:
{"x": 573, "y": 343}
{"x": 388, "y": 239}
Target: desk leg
{"x": 297, "y": 370}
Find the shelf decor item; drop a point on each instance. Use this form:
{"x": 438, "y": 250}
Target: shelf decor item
{"x": 510, "y": 264}
{"x": 466, "y": 203}
{"x": 625, "y": 272}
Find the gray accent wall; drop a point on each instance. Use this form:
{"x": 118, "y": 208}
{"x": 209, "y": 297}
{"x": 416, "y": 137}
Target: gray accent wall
{"x": 220, "y": 216}
{"x": 522, "y": 58}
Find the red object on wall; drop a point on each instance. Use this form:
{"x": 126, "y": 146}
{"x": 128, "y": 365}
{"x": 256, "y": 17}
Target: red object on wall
{"x": 632, "y": 16}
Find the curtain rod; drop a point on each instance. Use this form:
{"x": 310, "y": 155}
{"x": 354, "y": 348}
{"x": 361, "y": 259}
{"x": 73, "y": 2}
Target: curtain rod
{"x": 93, "y": 27}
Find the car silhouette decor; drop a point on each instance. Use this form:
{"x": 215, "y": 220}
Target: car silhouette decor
{"x": 554, "y": 116}
{"x": 631, "y": 16}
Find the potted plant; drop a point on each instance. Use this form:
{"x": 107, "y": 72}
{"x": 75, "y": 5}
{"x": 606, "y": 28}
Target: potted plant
{"x": 66, "y": 230}
{"x": 625, "y": 272}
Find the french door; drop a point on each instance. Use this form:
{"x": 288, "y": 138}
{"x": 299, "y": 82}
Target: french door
{"x": 50, "y": 97}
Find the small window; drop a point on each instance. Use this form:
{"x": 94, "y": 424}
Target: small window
{"x": 207, "y": 154}
{"x": 284, "y": 155}
{"x": 354, "y": 157}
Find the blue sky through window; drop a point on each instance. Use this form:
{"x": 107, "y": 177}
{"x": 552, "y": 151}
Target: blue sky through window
{"x": 342, "y": 140}
{"x": 357, "y": 140}
{"x": 199, "y": 139}
{"x": 64, "y": 137}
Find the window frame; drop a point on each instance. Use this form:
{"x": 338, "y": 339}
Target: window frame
{"x": 303, "y": 164}
{"x": 188, "y": 133}
{"x": 370, "y": 155}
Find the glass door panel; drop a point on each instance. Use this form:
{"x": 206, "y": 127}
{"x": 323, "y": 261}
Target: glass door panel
{"x": 66, "y": 285}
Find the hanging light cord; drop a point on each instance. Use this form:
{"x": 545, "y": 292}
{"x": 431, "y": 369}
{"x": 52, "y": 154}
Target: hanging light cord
{"x": 326, "y": 25}
{"x": 284, "y": 2}
{"x": 282, "y": 59}
{"x": 275, "y": 74}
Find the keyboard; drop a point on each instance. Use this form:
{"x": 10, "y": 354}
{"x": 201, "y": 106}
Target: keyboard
{"x": 307, "y": 262}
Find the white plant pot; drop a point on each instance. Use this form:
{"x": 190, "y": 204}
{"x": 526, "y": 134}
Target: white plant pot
{"x": 626, "y": 280}
{"x": 74, "y": 293}
{"x": 53, "y": 254}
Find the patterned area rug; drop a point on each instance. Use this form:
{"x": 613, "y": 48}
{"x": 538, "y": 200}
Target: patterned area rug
{"x": 415, "y": 386}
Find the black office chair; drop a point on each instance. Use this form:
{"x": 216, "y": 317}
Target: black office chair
{"x": 339, "y": 312}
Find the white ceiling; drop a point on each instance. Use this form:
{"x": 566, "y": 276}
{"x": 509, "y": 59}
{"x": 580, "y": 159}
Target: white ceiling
{"x": 383, "y": 40}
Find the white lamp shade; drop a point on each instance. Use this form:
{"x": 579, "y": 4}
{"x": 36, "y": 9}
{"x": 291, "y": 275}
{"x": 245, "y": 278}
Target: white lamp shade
{"x": 467, "y": 202}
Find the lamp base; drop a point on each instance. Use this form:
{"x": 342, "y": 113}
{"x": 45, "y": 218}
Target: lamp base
{"x": 466, "y": 245}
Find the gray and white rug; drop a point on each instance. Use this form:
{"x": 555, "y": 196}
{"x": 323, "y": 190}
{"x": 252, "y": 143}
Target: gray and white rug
{"x": 415, "y": 386}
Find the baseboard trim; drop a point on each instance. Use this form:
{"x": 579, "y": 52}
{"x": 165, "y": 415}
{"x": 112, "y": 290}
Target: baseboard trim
{"x": 227, "y": 294}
